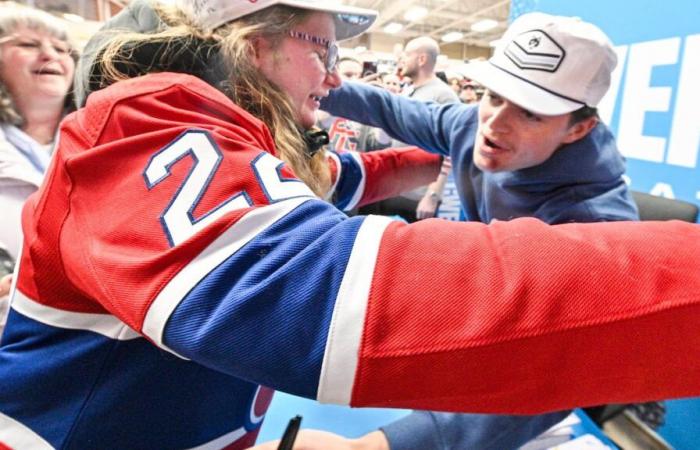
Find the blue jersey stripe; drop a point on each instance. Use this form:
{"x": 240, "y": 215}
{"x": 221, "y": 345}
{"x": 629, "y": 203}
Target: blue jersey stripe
{"x": 351, "y": 183}
{"x": 224, "y": 246}
{"x": 284, "y": 281}
{"x": 151, "y": 395}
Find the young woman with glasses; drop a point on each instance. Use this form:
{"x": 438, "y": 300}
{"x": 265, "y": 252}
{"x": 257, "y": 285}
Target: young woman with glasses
{"x": 180, "y": 261}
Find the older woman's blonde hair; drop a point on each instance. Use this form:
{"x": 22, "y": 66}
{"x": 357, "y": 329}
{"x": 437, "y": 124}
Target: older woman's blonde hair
{"x": 13, "y": 17}
{"x": 230, "y": 48}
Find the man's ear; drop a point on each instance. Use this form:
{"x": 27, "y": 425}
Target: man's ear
{"x": 580, "y": 129}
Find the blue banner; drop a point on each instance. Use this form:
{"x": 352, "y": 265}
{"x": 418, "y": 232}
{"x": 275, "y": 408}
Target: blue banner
{"x": 653, "y": 105}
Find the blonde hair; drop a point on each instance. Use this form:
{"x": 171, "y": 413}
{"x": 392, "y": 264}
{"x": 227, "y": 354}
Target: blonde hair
{"x": 241, "y": 80}
{"x": 14, "y": 16}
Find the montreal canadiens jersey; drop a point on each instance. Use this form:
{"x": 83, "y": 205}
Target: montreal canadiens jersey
{"x": 174, "y": 272}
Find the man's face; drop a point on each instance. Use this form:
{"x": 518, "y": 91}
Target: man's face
{"x": 409, "y": 63}
{"x": 511, "y": 138}
{"x": 468, "y": 94}
{"x": 349, "y": 70}
{"x": 392, "y": 83}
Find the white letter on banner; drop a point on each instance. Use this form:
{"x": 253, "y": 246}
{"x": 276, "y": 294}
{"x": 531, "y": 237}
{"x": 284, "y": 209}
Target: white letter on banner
{"x": 606, "y": 107}
{"x": 685, "y": 130}
{"x": 663, "y": 190}
{"x": 639, "y": 98}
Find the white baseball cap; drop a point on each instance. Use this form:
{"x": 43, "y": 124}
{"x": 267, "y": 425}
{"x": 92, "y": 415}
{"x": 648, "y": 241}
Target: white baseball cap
{"x": 350, "y": 21}
{"x": 549, "y": 65}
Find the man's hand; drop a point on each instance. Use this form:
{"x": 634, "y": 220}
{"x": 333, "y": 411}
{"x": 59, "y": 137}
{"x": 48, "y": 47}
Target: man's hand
{"x": 428, "y": 205}
{"x": 372, "y": 78}
{"x": 5, "y": 284}
{"x": 323, "y": 440}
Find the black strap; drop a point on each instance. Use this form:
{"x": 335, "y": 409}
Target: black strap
{"x": 315, "y": 140}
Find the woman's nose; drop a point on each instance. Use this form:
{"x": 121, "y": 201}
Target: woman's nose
{"x": 48, "y": 52}
{"x": 333, "y": 78}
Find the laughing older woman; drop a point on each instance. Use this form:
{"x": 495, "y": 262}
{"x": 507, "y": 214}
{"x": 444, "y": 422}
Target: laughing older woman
{"x": 37, "y": 63}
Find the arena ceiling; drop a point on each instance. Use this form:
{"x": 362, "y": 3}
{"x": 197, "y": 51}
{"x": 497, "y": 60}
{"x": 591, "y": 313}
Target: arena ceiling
{"x": 441, "y": 17}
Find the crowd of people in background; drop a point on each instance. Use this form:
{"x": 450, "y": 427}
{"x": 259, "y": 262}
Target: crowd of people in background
{"x": 414, "y": 74}
{"x": 500, "y": 146}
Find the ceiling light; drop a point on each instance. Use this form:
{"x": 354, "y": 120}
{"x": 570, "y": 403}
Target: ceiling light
{"x": 393, "y": 27}
{"x": 452, "y": 36}
{"x": 73, "y": 17}
{"x": 415, "y": 13}
{"x": 484, "y": 25}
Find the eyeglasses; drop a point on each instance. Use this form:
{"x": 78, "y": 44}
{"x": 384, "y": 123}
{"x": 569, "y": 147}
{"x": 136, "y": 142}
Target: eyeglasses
{"x": 37, "y": 45}
{"x": 331, "y": 47}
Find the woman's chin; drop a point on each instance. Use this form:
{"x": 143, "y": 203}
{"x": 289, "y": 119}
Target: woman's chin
{"x": 307, "y": 121}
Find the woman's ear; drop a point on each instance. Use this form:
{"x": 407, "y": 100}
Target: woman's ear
{"x": 580, "y": 129}
{"x": 259, "y": 47}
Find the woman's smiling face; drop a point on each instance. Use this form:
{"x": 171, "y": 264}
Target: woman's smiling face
{"x": 35, "y": 63}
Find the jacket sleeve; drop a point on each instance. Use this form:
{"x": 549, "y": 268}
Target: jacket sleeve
{"x": 362, "y": 178}
{"x": 448, "y": 431}
{"x": 427, "y": 125}
{"x": 205, "y": 244}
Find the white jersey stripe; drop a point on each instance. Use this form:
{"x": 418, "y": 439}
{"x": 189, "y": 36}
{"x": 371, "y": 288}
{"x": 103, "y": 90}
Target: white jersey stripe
{"x": 104, "y": 324}
{"x": 360, "y": 190}
{"x": 228, "y": 243}
{"x": 17, "y": 436}
{"x": 345, "y": 332}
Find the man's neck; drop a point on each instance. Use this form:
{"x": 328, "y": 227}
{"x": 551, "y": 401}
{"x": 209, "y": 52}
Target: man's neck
{"x": 422, "y": 80}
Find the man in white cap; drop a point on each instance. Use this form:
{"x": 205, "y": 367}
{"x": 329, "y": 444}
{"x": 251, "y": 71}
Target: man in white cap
{"x": 534, "y": 146}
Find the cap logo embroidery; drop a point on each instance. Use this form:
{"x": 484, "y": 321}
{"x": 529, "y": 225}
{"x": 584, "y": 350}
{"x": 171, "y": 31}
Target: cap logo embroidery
{"x": 535, "y": 50}
{"x": 354, "y": 19}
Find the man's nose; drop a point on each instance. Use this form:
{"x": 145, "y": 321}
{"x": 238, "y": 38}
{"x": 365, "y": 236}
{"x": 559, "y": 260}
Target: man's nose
{"x": 500, "y": 118}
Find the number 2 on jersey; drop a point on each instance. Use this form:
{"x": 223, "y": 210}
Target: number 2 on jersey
{"x": 178, "y": 218}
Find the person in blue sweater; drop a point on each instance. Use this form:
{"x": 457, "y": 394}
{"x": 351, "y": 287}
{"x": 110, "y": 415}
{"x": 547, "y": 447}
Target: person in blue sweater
{"x": 534, "y": 146}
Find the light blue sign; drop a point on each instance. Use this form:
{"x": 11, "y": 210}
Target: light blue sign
{"x": 653, "y": 105}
